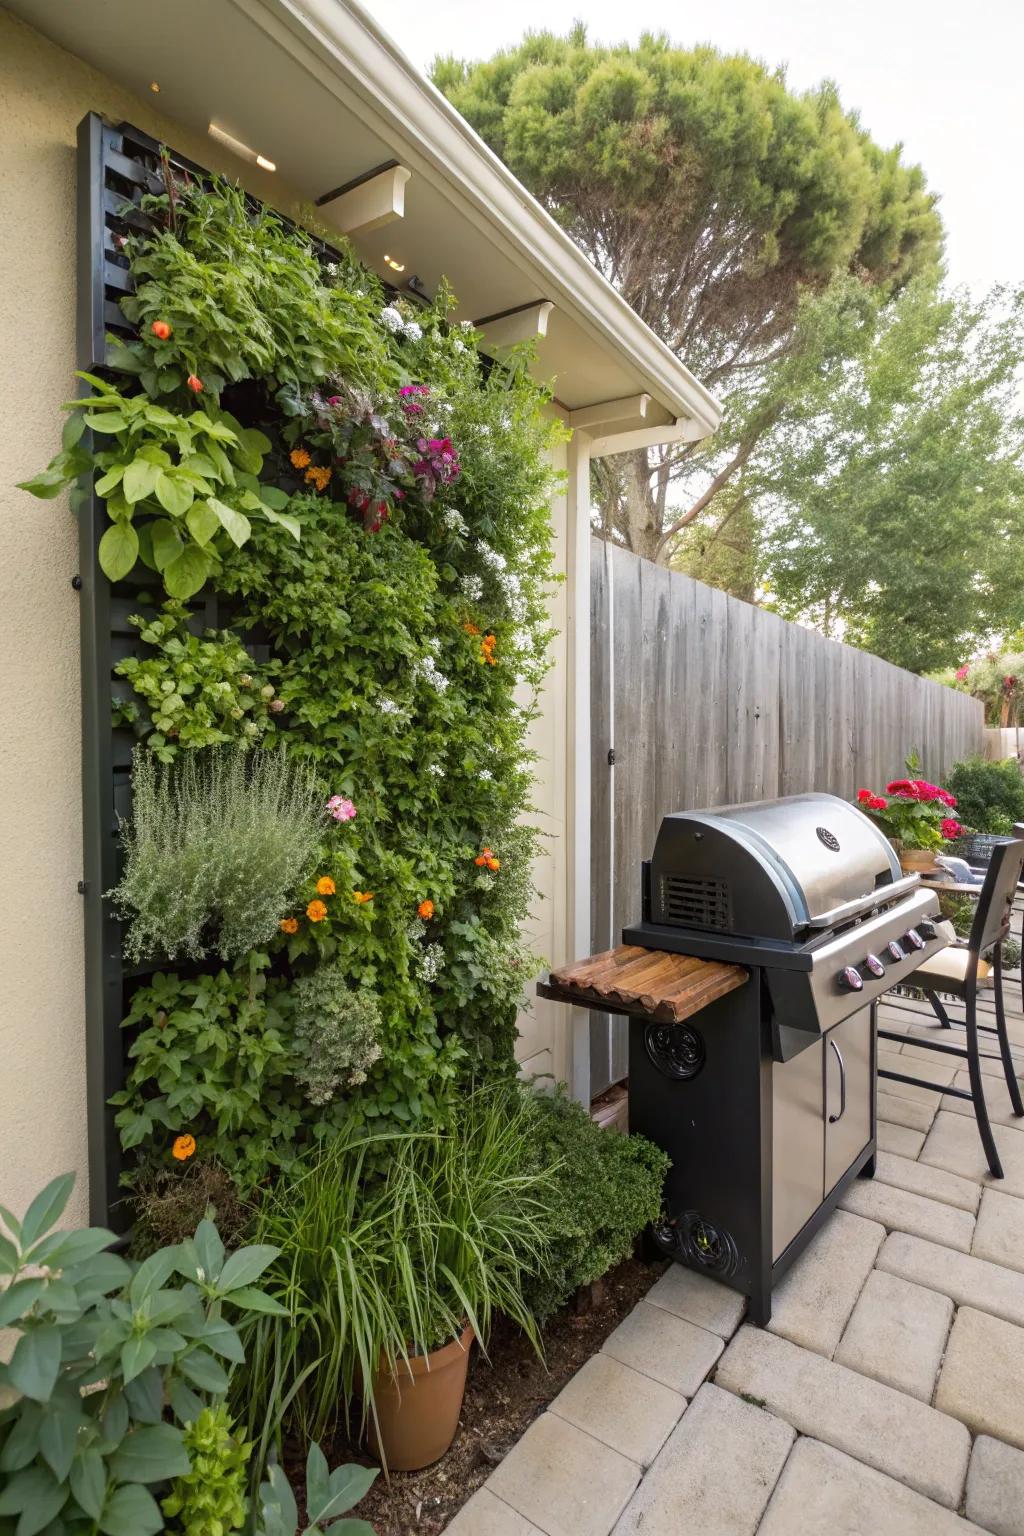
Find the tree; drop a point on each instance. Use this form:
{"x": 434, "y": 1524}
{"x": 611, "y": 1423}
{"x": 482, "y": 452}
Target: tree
{"x": 713, "y": 198}
{"x": 892, "y": 495}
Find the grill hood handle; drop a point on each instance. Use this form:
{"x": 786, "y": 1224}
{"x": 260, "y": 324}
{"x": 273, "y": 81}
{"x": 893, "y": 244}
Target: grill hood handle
{"x": 872, "y": 899}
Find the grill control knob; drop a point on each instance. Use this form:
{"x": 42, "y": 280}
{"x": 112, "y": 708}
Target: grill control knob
{"x": 927, "y": 930}
{"x": 895, "y": 950}
{"x": 874, "y": 965}
{"x": 850, "y": 978}
{"x": 913, "y": 938}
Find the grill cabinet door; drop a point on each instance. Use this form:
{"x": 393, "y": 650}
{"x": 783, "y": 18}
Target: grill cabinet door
{"x": 798, "y": 1143}
{"x": 848, "y": 1090}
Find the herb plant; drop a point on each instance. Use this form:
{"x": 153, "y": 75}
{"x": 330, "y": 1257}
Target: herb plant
{"x": 339, "y": 1030}
{"x": 210, "y": 1498}
{"x": 217, "y": 844}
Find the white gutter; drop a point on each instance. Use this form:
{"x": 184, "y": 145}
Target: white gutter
{"x": 413, "y": 113}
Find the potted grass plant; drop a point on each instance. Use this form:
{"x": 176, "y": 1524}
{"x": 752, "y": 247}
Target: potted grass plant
{"x": 397, "y": 1251}
{"x": 915, "y": 817}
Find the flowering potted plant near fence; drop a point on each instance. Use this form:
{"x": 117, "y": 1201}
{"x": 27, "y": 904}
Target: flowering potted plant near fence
{"x": 915, "y": 817}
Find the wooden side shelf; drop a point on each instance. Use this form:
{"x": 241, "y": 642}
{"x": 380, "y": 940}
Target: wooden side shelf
{"x": 652, "y": 982}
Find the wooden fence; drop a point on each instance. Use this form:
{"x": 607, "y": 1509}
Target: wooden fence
{"x": 706, "y": 700}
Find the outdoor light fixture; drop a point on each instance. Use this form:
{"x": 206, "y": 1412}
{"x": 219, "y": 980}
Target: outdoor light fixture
{"x": 237, "y": 147}
{"x": 396, "y": 266}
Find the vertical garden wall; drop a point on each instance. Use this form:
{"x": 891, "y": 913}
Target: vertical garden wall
{"x": 315, "y": 553}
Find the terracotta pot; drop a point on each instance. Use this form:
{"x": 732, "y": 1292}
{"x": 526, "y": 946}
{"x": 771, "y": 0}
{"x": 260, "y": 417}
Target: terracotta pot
{"x": 418, "y": 1405}
{"x": 917, "y": 861}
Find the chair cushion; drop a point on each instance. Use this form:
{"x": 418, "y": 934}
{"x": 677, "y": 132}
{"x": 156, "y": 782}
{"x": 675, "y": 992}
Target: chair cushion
{"x": 948, "y": 967}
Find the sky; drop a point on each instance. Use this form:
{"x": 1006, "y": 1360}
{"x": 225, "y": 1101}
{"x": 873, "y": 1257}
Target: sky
{"x": 944, "y": 79}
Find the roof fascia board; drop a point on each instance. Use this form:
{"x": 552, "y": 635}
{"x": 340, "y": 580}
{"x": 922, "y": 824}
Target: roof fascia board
{"x": 411, "y": 113}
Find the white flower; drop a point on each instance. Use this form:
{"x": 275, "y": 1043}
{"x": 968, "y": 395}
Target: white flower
{"x": 431, "y": 962}
{"x": 426, "y": 668}
{"x": 332, "y": 267}
{"x": 411, "y": 331}
{"x": 437, "y": 770}
{"x": 485, "y": 774}
{"x": 455, "y": 522}
{"x": 460, "y": 346}
{"x": 491, "y": 557}
{"x": 471, "y": 587}
{"x": 388, "y": 706}
{"x": 391, "y": 319}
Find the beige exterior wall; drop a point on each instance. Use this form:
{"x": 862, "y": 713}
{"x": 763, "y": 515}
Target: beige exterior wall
{"x": 44, "y": 93}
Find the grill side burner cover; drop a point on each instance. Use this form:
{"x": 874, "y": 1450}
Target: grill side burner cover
{"x": 767, "y": 869}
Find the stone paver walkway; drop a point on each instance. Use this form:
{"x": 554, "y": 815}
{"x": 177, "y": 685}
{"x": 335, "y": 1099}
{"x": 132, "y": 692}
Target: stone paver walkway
{"x": 885, "y": 1398}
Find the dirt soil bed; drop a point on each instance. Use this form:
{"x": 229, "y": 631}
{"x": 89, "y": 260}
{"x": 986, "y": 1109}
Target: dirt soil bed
{"x": 503, "y": 1397}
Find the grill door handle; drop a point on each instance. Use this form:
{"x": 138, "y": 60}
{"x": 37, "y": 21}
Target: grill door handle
{"x": 842, "y": 1084}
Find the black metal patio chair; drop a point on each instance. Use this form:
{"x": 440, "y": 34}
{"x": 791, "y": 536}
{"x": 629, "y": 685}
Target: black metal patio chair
{"x": 963, "y": 971}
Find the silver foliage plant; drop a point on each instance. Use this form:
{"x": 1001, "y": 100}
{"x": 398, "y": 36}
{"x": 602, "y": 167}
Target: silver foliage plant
{"x": 218, "y": 843}
{"x": 338, "y": 1029}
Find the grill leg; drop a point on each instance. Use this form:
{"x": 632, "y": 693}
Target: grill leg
{"x": 868, "y": 1171}
{"x": 977, "y": 1088}
{"x": 759, "y": 1310}
{"x": 1004, "y": 1039}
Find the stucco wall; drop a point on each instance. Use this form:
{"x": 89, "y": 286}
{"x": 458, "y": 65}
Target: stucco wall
{"x": 44, "y": 92}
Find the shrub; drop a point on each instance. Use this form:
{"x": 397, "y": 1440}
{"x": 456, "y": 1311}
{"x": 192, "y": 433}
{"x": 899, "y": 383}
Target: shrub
{"x": 989, "y": 796}
{"x": 218, "y": 843}
{"x": 607, "y": 1188}
{"x": 339, "y": 1030}
{"x": 450, "y": 1228}
{"x": 210, "y": 1499}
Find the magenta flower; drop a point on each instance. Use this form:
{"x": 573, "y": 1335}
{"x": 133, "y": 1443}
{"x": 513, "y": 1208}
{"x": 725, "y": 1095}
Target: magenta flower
{"x": 341, "y": 808}
{"x": 950, "y": 828}
{"x": 961, "y": 673}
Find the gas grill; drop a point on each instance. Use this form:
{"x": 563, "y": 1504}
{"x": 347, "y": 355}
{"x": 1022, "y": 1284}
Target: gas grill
{"x": 761, "y": 1090}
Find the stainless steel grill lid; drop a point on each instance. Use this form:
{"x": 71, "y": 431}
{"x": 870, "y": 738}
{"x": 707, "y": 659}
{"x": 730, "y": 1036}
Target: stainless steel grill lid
{"x": 773, "y": 869}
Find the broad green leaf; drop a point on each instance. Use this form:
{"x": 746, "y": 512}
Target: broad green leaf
{"x": 36, "y": 1496}
{"x": 140, "y": 479}
{"x": 46, "y": 485}
{"x": 167, "y": 543}
{"x": 152, "y": 1274}
{"x": 202, "y": 521}
{"x": 88, "y": 1479}
{"x": 245, "y": 1266}
{"x": 8, "y": 1256}
{"x": 145, "y": 1393}
{"x": 17, "y": 1298}
{"x": 185, "y": 574}
{"x": 289, "y": 524}
{"x": 131, "y": 1511}
{"x": 347, "y": 1485}
{"x": 137, "y": 1354}
{"x": 98, "y": 1276}
{"x": 276, "y": 1497}
{"x": 111, "y": 480}
{"x": 11, "y": 1222}
{"x": 150, "y": 1455}
{"x": 105, "y": 421}
{"x": 235, "y": 524}
{"x": 118, "y": 550}
{"x": 58, "y": 1429}
{"x": 256, "y": 1301}
{"x": 115, "y": 1418}
{"x": 187, "y": 1406}
{"x": 202, "y": 1257}
{"x": 35, "y": 1363}
{"x": 203, "y": 1371}
{"x": 223, "y": 1340}
{"x": 273, "y": 496}
{"x": 73, "y": 429}
{"x": 317, "y": 1480}
{"x": 173, "y": 494}
{"x": 21, "y": 1445}
{"x": 62, "y": 1250}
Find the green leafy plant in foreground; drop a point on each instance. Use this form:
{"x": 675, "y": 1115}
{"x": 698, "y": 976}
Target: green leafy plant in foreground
{"x": 328, "y": 1495}
{"x": 180, "y": 487}
{"x": 112, "y": 1360}
{"x": 210, "y": 1499}
{"x": 217, "y": 844}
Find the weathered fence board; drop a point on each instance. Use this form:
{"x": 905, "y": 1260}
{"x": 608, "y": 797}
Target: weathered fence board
{"x": 706, "y": 701}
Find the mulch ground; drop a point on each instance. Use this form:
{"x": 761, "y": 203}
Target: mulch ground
{"x": 503, "y": 1397}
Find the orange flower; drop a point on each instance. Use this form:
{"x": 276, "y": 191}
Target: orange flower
{"x": 493, "y": 864}
{"x": 161, "y": 330}
{"x": 326, "y": 886}
{"x": 318, "y": 476}
{"x": 471, "y": 629}
{"x": 299, "y": 457}
{"x": 426, "y": 910}
{"x": 289, "y": 925}
{"x": 316, "y": 911}
{"x": 479, "y": 861}
{"x": 184, "y": 1148}
{"x": 487, "y": 645}
{"x": 361, "y": 896}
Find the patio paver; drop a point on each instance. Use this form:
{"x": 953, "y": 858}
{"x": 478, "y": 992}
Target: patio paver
{"x": 699, "y": 1299}
{"x": 999, "y": 1234}
{"x": 715, "y": 1474}
{"x": 667, "y": 1348}
{"x": 821, "y": 1490}
{"x": 997, "y": 1100}
{"x": 909, "y": 1112}
{"x": 876, "y": 1424}
{"x": 564, "y": 1481}
{"x": 897, "y": 1334}
{"x": 487, "y": 1515}
{"x": 899, "y": 1210}
{"x": 899, "y": 1139}
{"x": 969, "y": 1281}
{"x": 953, "y": 1144}
{"x": 930, "y": 1070}
{"x": 923, "y": 1179}
{"x": 812, "y": 1303}
{"x": 995, "y": 1487}
{"x": 621, "y": 1408}
{"x": 982, "y": 1377}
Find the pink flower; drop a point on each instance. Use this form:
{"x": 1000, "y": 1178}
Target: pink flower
{"x": 877, "y": 803}
{"x": 864, "y": 796}
{"x": 961, "y": 673}
{"x": 950, "y": 828}
{"x": 340, "y": 808}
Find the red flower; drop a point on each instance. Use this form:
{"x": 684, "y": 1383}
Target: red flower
{"x": 950, "y": 828}
{"x": 903, "y": 788}
{"x": 195, "y": 384}
{"x": 864, "y": 796}
{"x": 161, "y": 330}
{"x": 877, "y": 803}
